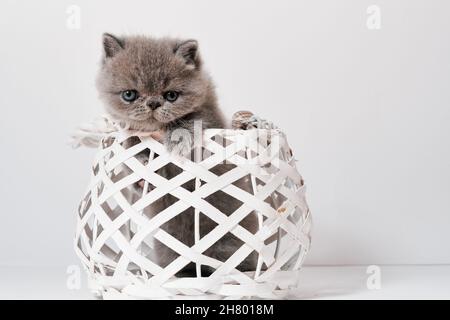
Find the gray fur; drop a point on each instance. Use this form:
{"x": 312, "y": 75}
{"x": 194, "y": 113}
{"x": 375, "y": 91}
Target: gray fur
{"x": 151, "y": 67}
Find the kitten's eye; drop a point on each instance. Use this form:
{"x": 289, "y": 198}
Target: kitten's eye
{"x": 129, "y": 95}
{"x": 171, "y": 96}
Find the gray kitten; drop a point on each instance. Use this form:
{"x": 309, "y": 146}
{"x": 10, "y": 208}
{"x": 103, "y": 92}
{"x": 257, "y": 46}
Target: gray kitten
{"x": 159, "y": 84}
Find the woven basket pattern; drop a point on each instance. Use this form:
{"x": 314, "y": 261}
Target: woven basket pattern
{"x": 115, "y": 238}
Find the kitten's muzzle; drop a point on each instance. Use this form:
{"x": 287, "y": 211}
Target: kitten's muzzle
{"x": 153, "y": 104}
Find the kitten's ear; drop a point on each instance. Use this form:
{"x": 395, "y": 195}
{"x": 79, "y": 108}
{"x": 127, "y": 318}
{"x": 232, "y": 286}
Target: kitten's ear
{"x": 111, "y": 45}
{"x": 188, "y": 50}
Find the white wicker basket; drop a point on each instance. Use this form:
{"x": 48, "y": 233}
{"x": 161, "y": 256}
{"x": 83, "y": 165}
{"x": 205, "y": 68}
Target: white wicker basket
{"x": 114, "y": 239}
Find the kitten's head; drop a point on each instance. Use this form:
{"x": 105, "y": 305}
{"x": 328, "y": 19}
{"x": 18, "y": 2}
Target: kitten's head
{"x": 148, "y": 83}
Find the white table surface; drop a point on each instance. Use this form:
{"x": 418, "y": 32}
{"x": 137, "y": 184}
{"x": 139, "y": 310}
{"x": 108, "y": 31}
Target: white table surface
{"x": 330, "y": 282}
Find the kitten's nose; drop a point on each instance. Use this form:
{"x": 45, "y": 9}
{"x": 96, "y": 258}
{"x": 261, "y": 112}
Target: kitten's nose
{"x": 153, "y": 104}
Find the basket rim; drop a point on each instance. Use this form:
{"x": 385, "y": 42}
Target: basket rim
{"x": 206, "y": 133}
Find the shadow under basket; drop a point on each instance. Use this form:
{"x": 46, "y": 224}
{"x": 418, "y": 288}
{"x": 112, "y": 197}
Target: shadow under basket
{"x": 137, "y": 188}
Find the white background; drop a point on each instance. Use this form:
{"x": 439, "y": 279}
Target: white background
{"x": 367, "y": 113}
